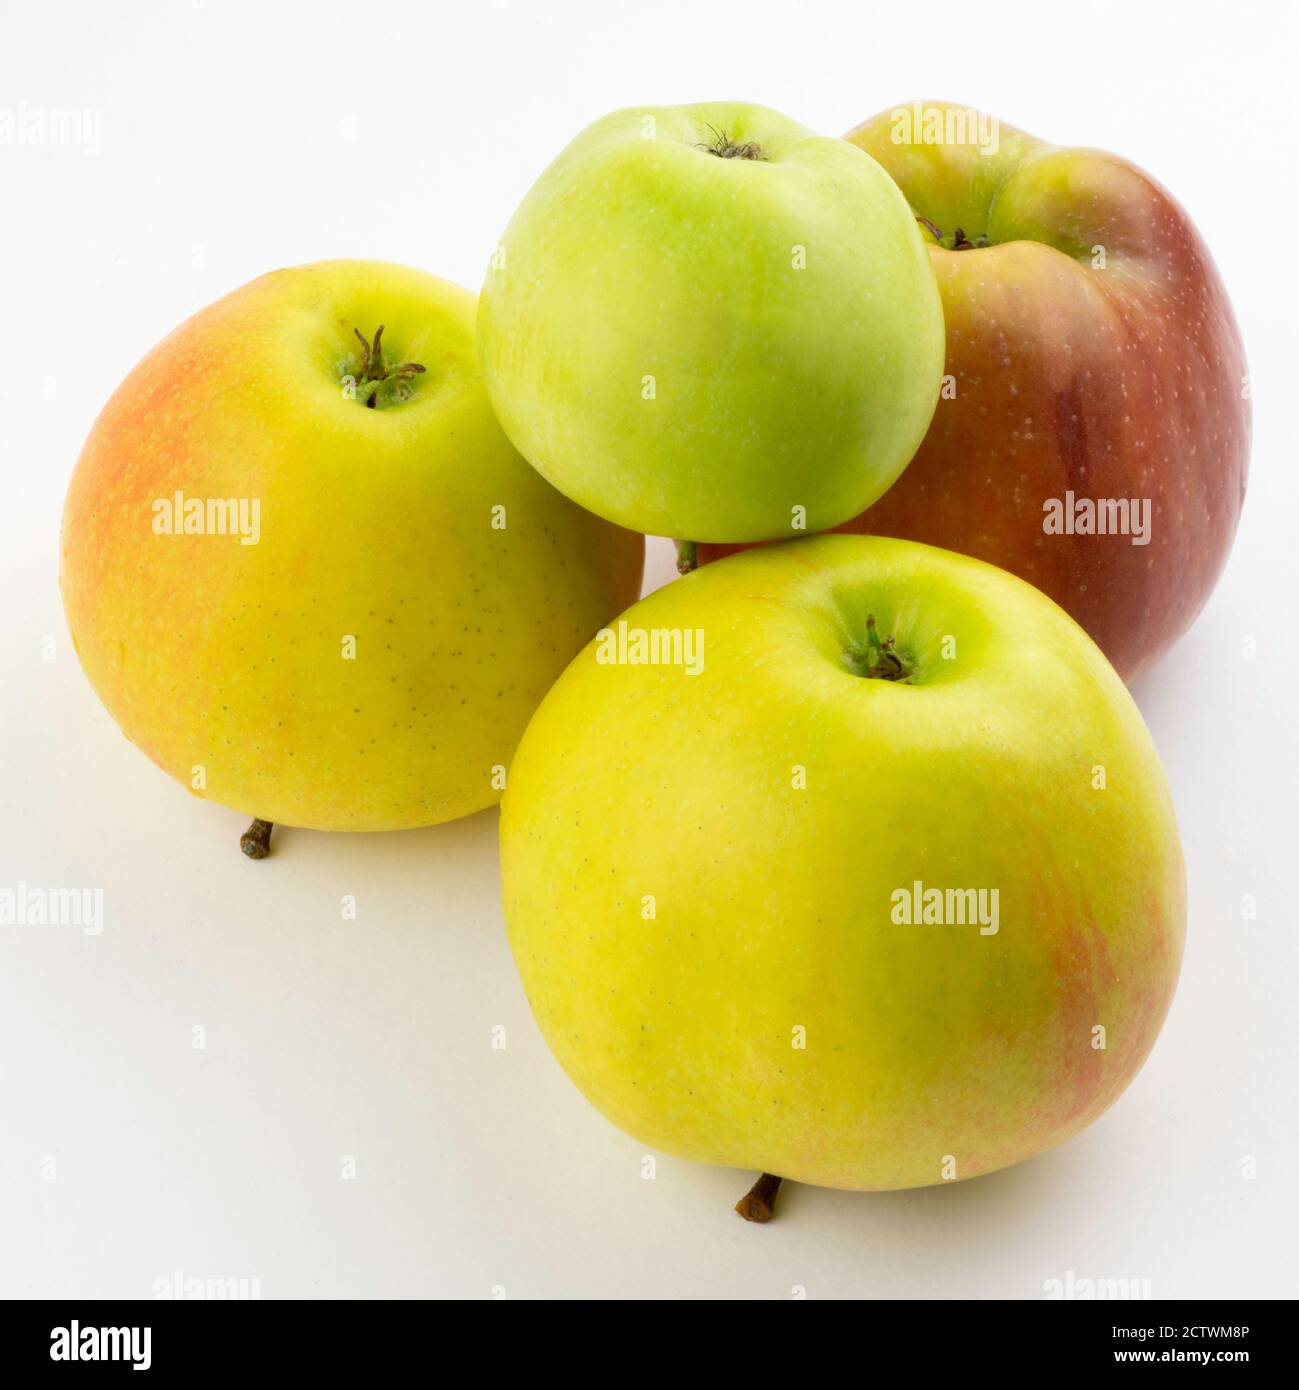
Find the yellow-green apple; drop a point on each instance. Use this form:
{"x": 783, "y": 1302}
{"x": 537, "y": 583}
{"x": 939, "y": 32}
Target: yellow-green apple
{"x": 1093, "y": 436}
{"x": 848, "y": 859}
{"x": 305, "y": 570}
{"x": 709, "y": 322}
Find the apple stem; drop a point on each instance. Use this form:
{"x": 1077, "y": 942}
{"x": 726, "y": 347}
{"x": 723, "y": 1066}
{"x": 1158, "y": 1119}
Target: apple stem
{"x": 687, "y": 556}
{"x": 881, "y": 659}
{"x": 375, "y": 371}
{"x": 759, "y": 1202}
{"x": 256, "y": 840}
{"x": 725, "y": 148}
{"x": 960, "y": 242}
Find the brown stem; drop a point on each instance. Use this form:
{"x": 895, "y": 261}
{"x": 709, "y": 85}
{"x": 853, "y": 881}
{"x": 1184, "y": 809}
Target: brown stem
{"x": 960, "y": 242}
{"x": 725, "y": 148}
{"x": 759, "y": 1202}
{"x": 687, "y": 556}
{"x": 374, "y": 369}
{"x": 256, "y": 840}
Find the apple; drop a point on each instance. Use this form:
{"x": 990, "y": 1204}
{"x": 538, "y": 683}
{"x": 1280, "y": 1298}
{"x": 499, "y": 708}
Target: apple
{"x": 708, "y": 321}
{"x": 847, "y": 859}
{"x": 1093, "y": 435}
{"x": 306, "y": 572}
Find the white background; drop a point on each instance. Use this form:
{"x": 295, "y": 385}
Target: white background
{"x": 240, "y": 137}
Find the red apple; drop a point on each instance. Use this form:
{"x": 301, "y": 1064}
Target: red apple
{"x": 1094, "y": 432}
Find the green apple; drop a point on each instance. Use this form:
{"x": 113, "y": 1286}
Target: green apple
{"x": 709, "y": 322}
{"x": 305, "y": 570}
{"x": 847, "y": 859}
